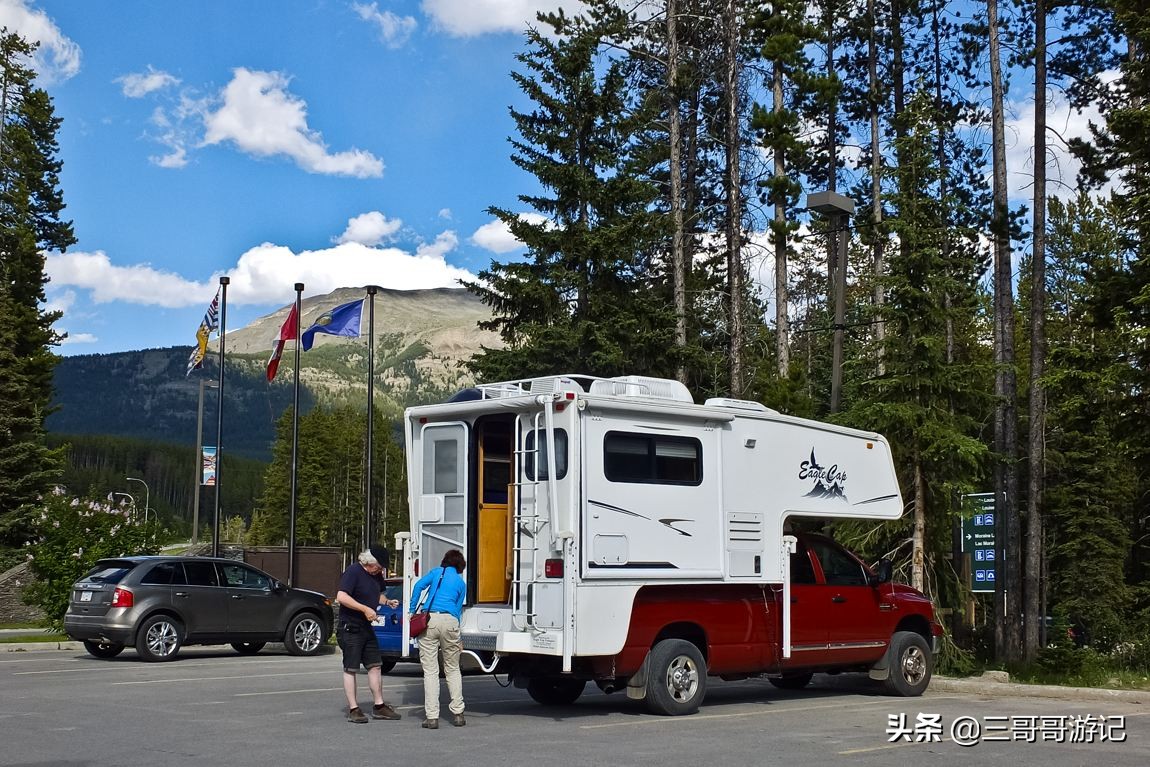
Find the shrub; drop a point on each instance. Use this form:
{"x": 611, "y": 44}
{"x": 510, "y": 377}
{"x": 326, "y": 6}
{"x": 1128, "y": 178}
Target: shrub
{"x": 71, "y": 534}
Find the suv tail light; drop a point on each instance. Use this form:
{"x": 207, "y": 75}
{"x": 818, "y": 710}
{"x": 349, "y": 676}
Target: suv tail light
{"x": 553, "y": 568}
{"x": 122, "y": 598}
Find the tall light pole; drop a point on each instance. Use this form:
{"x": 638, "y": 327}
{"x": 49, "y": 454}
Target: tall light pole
{"x": 838, "y": 209}
{"x": 147, "y": 502}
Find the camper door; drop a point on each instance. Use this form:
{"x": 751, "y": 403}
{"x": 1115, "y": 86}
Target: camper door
{"x": 443, "y": 502}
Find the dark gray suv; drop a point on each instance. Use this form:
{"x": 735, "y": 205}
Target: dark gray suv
{"x": 160, "y": 604}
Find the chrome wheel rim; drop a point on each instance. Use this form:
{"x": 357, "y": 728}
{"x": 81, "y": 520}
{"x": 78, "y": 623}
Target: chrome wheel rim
{"x": 307, "y": 634}
{"x": 162, "y": 639}
{"x": 682, "y": 679}
{"x": 913, "y": 665}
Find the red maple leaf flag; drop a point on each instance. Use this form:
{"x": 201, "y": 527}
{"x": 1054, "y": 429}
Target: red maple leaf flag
{"x": 287, "y": 333}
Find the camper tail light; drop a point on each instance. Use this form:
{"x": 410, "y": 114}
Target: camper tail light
{"x": 553, "y": 568}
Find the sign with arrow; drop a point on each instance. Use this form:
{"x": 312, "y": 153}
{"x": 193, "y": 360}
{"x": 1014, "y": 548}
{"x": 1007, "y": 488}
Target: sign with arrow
{"x": 979, "y": 543}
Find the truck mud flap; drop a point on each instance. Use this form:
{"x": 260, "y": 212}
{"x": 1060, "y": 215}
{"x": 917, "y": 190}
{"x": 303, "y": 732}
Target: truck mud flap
{"x": 637, "y": 684}
{"x": 880, "y": 671}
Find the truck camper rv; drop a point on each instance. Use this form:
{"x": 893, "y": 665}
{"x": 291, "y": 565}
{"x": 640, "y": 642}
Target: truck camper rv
{"x": 616, "y": 532}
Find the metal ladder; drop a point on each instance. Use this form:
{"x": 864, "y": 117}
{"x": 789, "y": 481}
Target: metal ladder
{"x": 527, "y": 524}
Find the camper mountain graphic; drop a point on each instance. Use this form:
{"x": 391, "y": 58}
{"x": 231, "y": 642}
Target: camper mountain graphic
{"x": 828, "y": 483}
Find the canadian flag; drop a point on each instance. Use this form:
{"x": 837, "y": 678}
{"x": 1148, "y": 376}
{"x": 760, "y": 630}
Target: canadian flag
{"x": 288, "y": 332}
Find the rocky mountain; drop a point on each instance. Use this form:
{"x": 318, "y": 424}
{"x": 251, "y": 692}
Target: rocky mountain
{"x": 422, "y": 338}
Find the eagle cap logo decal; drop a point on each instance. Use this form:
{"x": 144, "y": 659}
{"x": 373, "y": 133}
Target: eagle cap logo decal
{"x": 828, "y": 483}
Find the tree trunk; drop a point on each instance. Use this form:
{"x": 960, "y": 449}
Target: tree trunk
{"x": 876, "y": 189}
{"x": 782, "y": 297}
{"x": 733, "y": 193}
{"x": 677, "y": 249}
{"x": 1033, "y": 580}
{"x": 918, "y": 537}
{"x": 1008, "y": 635}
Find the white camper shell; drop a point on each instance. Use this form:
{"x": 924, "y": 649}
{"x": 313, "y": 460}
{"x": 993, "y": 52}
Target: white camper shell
{"x": 593, "y": 510}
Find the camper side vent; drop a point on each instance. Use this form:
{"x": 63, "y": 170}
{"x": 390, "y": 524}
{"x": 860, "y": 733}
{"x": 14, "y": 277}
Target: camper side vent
{"x": 744, "y": 531}
{"x": 641, "y": 386}
{"x": 739, "y": 404}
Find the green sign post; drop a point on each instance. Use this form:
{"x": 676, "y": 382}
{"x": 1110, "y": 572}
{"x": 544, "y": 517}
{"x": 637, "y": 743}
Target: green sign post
{"x": 978, "y": 542}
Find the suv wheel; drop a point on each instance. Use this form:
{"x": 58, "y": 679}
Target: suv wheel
{"x": 304, "y": 635}
{"x": 159, "y": 638}
{"x": 102, "y": 649}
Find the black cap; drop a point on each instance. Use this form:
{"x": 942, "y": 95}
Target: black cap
{"x": 381, "y": 554}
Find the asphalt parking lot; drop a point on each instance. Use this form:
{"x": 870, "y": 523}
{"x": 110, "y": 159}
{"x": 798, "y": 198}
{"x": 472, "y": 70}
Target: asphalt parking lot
{"x": 214, "y": 707}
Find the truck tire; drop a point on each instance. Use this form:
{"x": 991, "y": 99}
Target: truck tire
{"x": 159, "y": 638}
{"x": 909, "y": 663}
{"x": 676, "y": 678}
{"x": 791, "y": 681}
{"x": 555, "y": 691}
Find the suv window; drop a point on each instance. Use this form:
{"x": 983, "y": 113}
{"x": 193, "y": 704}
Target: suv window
{"x": 201, "y": 573}
{"x": 839, "y": 568}
{"x": 242, "y": 577}
{"x": 164, "y": 574}
{"x": 109, "y": 573}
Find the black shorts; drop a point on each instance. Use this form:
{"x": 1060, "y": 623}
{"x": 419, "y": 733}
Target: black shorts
{"x": 357, "y": 641}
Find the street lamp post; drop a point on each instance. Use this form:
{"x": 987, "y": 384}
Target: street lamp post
{"x": 147, "y": 503}
{"x": 838, "y": 209}
{"x": 130, "y": 498}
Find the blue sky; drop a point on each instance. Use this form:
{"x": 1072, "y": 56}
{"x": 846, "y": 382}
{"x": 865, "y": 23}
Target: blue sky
{"x": 328, "y": 142}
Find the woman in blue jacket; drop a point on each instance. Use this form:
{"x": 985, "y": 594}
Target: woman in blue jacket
{"x": 445, "y": 603}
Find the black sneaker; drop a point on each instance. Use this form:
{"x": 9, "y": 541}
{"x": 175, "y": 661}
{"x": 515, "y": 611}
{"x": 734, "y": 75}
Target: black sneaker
{"x": 458, "y": 720}
{"x": 384, "y": 711}
{"x": 356, "y": 716}
{"x": 430, "y": 724}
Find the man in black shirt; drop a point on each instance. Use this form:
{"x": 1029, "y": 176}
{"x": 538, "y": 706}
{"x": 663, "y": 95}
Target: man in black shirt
{"x": 360, "y": 588}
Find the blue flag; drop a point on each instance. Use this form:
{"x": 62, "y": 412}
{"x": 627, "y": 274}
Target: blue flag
{"x": 340, "y": 321}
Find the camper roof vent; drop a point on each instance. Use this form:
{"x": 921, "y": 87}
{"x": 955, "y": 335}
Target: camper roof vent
{"x": 553, "y": 384}
{"x": 641, "y": 386}
{"x": 739, "y": 404}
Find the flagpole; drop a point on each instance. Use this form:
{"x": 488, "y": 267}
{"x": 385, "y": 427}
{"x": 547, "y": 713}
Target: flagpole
{"x": 294, "y": 441}
{"x": 220, "y": 416}
{"x": 371, "y": 291}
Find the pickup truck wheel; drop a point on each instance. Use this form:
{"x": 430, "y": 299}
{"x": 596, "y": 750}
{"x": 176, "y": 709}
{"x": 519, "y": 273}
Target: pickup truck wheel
{"x": 103, "y": 650}
{"x": 159, "y": 638}
{"x": 555, "y": 692}
{"x": 304, "y": 635}
{"x": 248, "y": 648}
{"x": 676, "y": 678}
{"x": 910, "y": 664}
{"x": 791, "y": 681}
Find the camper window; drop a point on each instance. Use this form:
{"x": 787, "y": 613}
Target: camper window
{"x": 652, "y": 459}
{"x": 540, "y": 458}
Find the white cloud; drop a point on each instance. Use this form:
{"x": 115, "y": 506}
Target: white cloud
{"x": 139, "y": 284}
{"x": 264, "y": 274}
{"x": 394, "y": 30}
{"x": 1063, "y": 123}
{"x": 78, "y": 338}
{"x": 446, "y": 214}
{"x": 370, "y": 229}
{"x": 261, "y": 118}
{"x": 140, "y": 84}
{"x": 58, "y": 57}
{"x": 497, "y": 238}
{"x": 469, "y": 18}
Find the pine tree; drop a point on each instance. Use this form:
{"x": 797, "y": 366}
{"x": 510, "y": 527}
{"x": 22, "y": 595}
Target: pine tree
{"x": 31, "y": 204}
{"x": 582, "y": 299}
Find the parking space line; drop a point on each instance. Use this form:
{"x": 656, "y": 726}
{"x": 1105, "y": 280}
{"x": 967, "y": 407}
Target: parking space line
{"x": 742, "y": 714}
{"x": 124, "y": 666}
{"x": 184, "y": 680}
